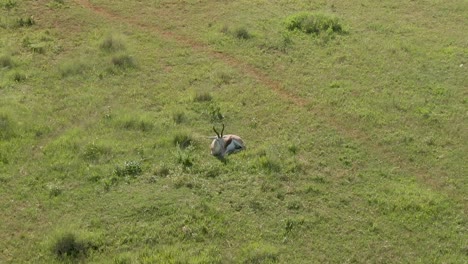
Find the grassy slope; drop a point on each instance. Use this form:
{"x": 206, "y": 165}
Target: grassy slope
{"x": 356, "y": 143}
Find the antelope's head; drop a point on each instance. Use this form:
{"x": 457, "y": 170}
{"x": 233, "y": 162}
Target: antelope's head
{"x": 218, "y": 145}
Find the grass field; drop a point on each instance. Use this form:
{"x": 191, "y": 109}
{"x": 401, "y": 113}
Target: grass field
{"x": 354, "y": 114}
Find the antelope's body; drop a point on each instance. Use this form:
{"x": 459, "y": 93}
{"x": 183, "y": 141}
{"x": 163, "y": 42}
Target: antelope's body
{"x": 224, "y": 145}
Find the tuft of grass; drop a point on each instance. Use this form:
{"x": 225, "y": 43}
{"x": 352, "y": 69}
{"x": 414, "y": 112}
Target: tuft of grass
{"x": 136, "y": 123}
{"x": 68, "y": 246}
{"x": 6, "y": 61}
{"x": 94, "y": 152}
{"x": 184, "y": 157}
{"x": 257, "y": 253}
{"x": 25, "y": 22}
{"x": 54, "y": 190}
{"x": 314, "y": 23}
{"x": 130, "y": 168}
{"x": 8, "y": 4}
{"x": 182, "y": 140}
{"x": 202, "y": 97}
{"x": 242, "y": 33}
{"x": 112, "y": 43}
{"x": 123, "y": 61}
{"x": 71, "y": 68}
{"x": 7, "y": 127}
{"x": 268, "y": 164}
{"x": 179, "y": 117}
{"x": 162, "y": 170}
{"x": 18, "y": 76}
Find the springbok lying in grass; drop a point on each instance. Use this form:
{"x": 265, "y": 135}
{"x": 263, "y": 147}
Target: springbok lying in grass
{"x": 224, "y": 145}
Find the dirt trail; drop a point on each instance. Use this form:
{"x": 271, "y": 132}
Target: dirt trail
{"x": 319, "y": 112}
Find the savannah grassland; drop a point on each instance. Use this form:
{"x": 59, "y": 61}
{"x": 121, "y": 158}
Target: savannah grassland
{"x": 356, "y": 134}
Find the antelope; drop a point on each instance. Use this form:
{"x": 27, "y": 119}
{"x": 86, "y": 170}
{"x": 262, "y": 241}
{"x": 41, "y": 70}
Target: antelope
{"x": 224, "y": 145}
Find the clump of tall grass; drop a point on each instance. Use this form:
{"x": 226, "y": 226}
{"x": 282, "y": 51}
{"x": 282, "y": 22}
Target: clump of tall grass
{"x": 130, "y": 168}
{"x": 239, "y": 33}
{"x": 112, "y": 43}
{"x": 72, "y": 68}
{"x": 202, "y": 97}
{"x": 7, "y": 127}
{"x": 68, "y": 246}
{"x": 8, "y": 4}
{"x": 242, "y": 33}
{"x": 179, "y": 117}
{"x": 25, "y": 22}
{"x": 123, "y": 61}
{"x": 314, "y": 23}
{"x": 182, "y": 140}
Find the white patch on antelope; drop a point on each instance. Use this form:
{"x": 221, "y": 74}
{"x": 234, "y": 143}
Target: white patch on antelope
{"x": 224, "y": 145}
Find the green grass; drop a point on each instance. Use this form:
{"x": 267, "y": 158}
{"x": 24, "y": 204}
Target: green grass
{"x": 354, "y": 120}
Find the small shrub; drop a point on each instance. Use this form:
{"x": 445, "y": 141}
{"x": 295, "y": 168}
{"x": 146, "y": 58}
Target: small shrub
{"x": 112, "y": 44}
{"x": 68, "y": 245}
{"x": 130, "y": 168}
{"x": 6, "y": 61}
{"x": 123, "y": 61}
{"x": 314, "y": 23}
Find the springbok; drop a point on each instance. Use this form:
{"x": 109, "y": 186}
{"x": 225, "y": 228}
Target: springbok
{"x": 224, "y": 145}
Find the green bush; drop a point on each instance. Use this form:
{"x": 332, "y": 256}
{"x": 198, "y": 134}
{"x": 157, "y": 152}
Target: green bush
{"x": 314, "y": 23}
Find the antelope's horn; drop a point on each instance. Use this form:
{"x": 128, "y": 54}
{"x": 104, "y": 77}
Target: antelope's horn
{"x": 222, "y": 131}
{"x": 217, "y": 134}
